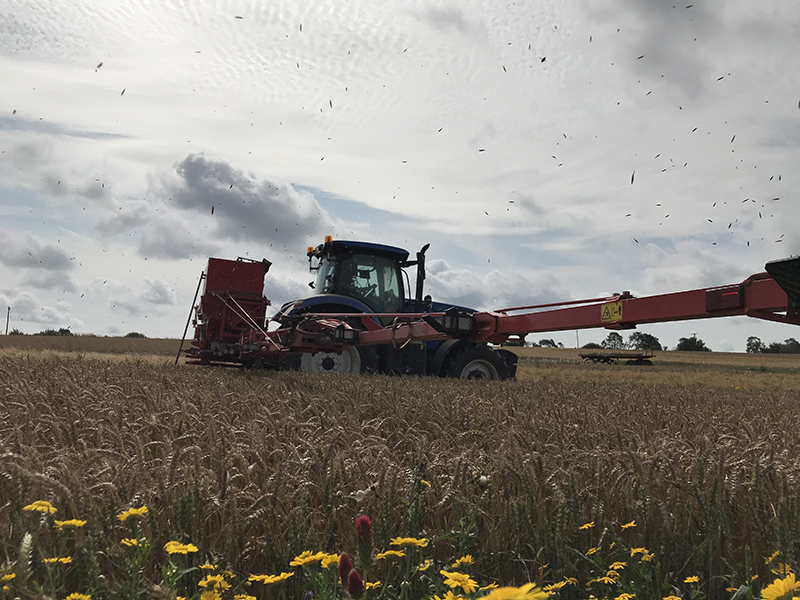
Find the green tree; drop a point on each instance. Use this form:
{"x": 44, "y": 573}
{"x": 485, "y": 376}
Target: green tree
{"x": 547, "y": 343}
{"x": 135, "y": 334}
{"x": 613, "y": 341}
{"x": 692, "y": 344}
{"x": 592, "y": 346}
{"x": 643, "y": 341}
{"x": 755, "y": 345}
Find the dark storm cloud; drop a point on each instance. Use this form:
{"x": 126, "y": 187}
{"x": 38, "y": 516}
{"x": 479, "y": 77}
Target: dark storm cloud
{"x": 26, "y": 252}
{"x": 241, "y": 207}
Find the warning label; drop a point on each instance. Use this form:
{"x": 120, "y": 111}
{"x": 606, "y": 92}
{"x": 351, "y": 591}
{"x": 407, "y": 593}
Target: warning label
{"x": 611, "y": 312}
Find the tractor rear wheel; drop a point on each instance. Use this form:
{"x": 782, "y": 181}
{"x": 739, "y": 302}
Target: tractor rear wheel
{"x": 474, "y": 361}
{"x": 348, "y": 362}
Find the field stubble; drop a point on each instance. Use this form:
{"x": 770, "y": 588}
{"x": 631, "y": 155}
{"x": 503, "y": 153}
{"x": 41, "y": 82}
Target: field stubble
{"x": 254, "y": 468}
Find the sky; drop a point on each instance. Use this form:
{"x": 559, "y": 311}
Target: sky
{"x": 547, "y": 150}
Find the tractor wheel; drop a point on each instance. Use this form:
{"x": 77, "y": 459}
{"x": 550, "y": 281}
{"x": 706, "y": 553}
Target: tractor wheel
{"x": 476, "y": 362}
{"x": 348, "y": 362}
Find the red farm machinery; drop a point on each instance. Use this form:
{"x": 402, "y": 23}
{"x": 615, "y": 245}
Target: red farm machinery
{"x": 362, "y": 317}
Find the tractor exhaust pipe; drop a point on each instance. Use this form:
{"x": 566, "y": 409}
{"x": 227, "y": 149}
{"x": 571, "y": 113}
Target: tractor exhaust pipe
{"x": 420, "y": 277}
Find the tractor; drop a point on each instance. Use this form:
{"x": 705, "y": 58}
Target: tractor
{"x": 369, "y": 278}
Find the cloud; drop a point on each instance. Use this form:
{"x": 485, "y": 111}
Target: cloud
{"x": 27, "y": 308}
{"x": 158, "y": 292}
{"x": 54, "y": 169}
{"x": 153, "y": 297}
{"x": 241, "y": 207}
{"x": 45, "y": 266}
{"x": 25, "y": 251}
{"x": 496, "y": 289}
{"x": 447, "y": 18}
{"x": 670, "y": 38}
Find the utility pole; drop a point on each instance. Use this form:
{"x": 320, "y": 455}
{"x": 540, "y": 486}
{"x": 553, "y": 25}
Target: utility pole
{"x": 8, "y": 316}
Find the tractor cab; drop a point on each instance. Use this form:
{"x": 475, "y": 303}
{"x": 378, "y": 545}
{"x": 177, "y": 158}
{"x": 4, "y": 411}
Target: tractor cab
{"x": 369, "y": 273}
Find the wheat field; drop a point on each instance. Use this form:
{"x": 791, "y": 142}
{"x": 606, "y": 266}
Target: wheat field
{"x": 256, "y": 467}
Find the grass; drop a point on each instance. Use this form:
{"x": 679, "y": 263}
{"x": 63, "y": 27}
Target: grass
{"x": 256, "y": 467}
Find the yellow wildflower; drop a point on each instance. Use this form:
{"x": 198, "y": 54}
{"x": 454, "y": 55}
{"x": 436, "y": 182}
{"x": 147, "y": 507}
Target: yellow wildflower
{"x": 613, "y": 575}
{"x": 180, "y": 597}
{"x": 130, "y": 542}
{"x": 132, "y": 513}
{"x": 635, "y": 551}
{"x": 625, "y": 596}
{"x": 409, "y": 541}
{"x": 64, "y": 560}
{"x": 244, "y": 597}
{"x": 425, "y": 483}
{"x": 448, "y": 596}
{"x": 211, "y": 595}
{"x": 71, "y": 524}
{"x": 781, "y": 569}
{"x": 591, "y": 551}
{"x": 529, "y": 591}
{"x": 78, "y": 597}
{"x": 265, "y": 579}
{"x": 330, "y": 559}
{"x": 217, "y": 582}
{"x": 691, "y": 579}
{"x": 178, "y": 548}
{"x": 426, "y": 565}
{"x": 606, "y": 579}
{"x": 588, "y": 525}
{"x": 8, "y": 577}
{"x": 6, "y": 589}
{"x": 648, "y": 557}
{"x": 455, "y": 579}
{"x": 396, "y": 553}
{"x": 775, "y": 555}
{"x": 307, "y": 557}
{"x": 42, "y": 506}
{"x": 464, "y": 560}
{"x": 372, "y": 584}
{"x": 671, "y": 598}
{"x": 571, "y": 580}
{"x": 554, "y": 587}
{"x": 491, "y": 586}
{"x": 618, "y": 566}
{"x": 209, "y": 567}
{"x": 631, "y": 524}
{"x": 780, "y": 589}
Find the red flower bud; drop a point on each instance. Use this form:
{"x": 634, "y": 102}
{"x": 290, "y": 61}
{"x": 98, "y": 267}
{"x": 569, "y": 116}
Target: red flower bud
{"x": 364, "y": 532}
{"x": 355, "y": 585}
{"x": 345, "y": 566}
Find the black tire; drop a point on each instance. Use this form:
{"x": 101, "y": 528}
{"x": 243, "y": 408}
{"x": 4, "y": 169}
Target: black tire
{"x": 475, "y": 361}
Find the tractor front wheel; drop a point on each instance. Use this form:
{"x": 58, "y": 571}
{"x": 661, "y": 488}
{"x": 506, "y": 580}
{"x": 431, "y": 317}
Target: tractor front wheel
{"x": 476, "y": 362}
{"x": 348, "y": 362}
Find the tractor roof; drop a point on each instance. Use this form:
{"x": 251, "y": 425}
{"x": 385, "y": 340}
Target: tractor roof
{"x": 344, "y": 246}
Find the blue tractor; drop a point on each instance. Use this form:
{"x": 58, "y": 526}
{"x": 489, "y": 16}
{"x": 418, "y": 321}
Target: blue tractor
{"x": 362, "y": 277}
